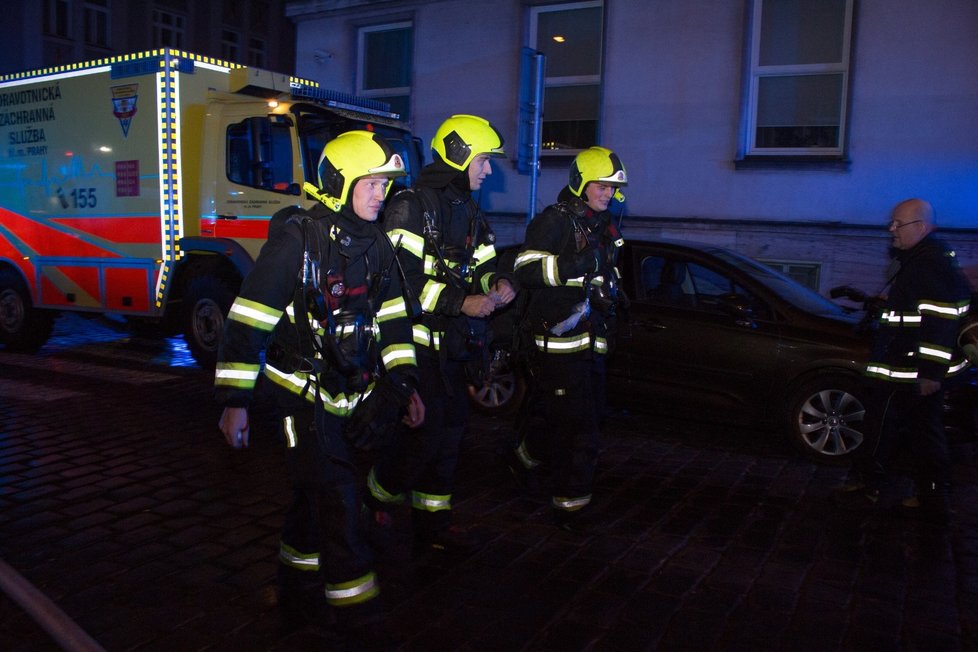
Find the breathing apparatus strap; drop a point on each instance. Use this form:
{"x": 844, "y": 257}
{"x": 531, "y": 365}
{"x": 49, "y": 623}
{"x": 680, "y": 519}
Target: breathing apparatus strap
{"x": 433, "y": 239}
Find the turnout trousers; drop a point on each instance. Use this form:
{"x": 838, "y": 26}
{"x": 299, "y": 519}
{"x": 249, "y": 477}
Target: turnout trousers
{"x": 905, "y": 422}
{"x": 323, "y": 542}
{"x": 572, "y": 395}
{"x": 423, "y": 460}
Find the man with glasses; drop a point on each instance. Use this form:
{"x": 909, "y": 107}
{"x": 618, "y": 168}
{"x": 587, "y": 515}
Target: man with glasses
{"x": 913, "y": 352}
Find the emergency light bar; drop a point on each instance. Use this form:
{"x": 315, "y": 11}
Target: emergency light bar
{"x": 346, "y": 101}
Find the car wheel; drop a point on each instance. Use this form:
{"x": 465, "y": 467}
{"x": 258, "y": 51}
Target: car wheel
{"x": 501, "y": 390}
{"x": 827, "y": 417}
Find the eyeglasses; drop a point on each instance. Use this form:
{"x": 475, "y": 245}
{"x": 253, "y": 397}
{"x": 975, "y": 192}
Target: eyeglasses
{"x": 896, "y": 225}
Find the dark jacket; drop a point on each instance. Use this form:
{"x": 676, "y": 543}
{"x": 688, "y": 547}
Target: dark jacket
{"x": 570, "y": 253}
{"x": 447, "y": 255}
{"x": 358, "y": 300}
{"x": 918, "y": 327}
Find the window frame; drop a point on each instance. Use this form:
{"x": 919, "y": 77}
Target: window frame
{"x": 568, "y": 81}
{"x": 387, "y": 91}
{"x": 230, "y": 44}
{"x": 178, "y": 28}
{"x": 57, "y": 19}
{"x": 754, "y": 72}
{"x": 93, "y": 11}
{"x": 257, "y": 52}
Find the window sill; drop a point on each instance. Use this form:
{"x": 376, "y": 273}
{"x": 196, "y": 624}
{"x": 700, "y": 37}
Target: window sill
{"x": 793, "y": 163}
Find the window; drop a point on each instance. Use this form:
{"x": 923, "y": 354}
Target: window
{"x": 97, "y": 23}
{"x": 798, "y": 83}
{"x": 805, "y": 273}
{"x": 384, "y": 73}
{"x": 229, "y": 45}
{"x": 259, "y": 153}
{"x": 256, "y": 52}
{"x": 168, "y": 29}
{"x": 57, "y": 18}
{"x": 570, "y": 35}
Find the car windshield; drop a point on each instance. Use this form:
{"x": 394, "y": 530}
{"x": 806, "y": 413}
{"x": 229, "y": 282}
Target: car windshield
{"x": 788, "y": 288}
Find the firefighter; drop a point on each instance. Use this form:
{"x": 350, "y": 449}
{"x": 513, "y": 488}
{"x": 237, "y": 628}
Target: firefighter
{"x": 567, "y": 264}
{"x": 446, "y": 249}
{"x": 914, "y": 356}
{"x": 326, "y": 295}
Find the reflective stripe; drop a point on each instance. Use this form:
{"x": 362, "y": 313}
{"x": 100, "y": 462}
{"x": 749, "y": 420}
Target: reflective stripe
{"x": 236, "y": 374}
{"x": 894, "y": 317}
{"x": 430, "y": 502}
{"x": 292, "y": 557}
{"x": 525, "y": 458}
{"x": 483, "y": 254}
{"x": 380, "y": 493}
{"x": 429, "y": 295}
{"x": 571, "y": 504}
{"x": 894, "y": 374}
{"x": 353, "y": 592}
{"x": 254, "y": 314}
{"x": 340, "y": 405}
{"x": 548, "y": 265}
{"x": 934, "y": 353}
{"x": 291, "y": 440}
{"x": 563, "y": 344}
{"x": 425, "y": 337}
{"x": 392, "y": 309}
{"x": 958, "y": 368}
{"x": 600, "y": 345}
{"x": 398, "y": 354}
{"x": 943, "y": 309}
{"x": 408, "y": 241}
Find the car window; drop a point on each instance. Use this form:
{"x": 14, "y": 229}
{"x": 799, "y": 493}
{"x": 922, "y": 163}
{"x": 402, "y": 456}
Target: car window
{"x": 717, "y": 292}
{"x": 673, "y": 281}
{"x": 787, "y": 288}
{"x": 667, "y": 281}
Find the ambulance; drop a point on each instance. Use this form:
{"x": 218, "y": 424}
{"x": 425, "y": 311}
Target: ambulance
{"x": 142, "y": 185}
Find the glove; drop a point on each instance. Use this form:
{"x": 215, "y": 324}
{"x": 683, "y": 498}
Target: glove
{"x": 585, "y": 261}
{"x": 375, "y": 419}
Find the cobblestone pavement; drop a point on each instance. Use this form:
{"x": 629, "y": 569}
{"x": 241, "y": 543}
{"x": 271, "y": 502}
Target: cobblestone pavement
{"x": 121, "y": 503}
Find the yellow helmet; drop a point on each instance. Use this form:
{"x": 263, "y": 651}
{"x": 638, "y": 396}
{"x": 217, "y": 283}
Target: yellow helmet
{"x": 596, "y": 164}
{"x": 349, "y": 157}
{"x": 463, "y": 137}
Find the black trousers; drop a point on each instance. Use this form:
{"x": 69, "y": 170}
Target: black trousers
{"x": 906, "y": 423}
{"x": 571, "y": 390}
{"x": 424, "y": 459}
{"x": 322, "y": 536}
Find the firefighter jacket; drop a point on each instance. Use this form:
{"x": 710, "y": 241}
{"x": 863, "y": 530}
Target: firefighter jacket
{"x": 919, "y": 324}
{"x": 571, "y": 307}
{"x": 445, "y": 246}
{"x": 325, "y": 294}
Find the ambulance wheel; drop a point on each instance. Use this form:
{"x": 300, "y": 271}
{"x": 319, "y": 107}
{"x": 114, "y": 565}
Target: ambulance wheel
{"x": 22, "y": 327}
{"x": 207, "y": 301}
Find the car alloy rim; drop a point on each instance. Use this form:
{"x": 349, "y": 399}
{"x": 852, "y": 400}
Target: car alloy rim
{"x": 829, "y": 422}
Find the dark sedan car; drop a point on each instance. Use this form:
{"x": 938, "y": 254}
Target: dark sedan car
{"x": 712, "y": 334}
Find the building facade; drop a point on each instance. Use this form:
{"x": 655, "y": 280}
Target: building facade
{"x": 51, "y": 33}
{"x": 784, "y": 129}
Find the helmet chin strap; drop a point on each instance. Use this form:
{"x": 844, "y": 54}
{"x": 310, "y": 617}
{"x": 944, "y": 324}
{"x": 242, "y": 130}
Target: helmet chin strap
{"x": 332, "y": 203}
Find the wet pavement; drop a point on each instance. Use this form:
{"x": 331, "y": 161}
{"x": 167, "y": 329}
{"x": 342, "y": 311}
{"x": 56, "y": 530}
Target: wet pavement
{"x": 120, "y": 502}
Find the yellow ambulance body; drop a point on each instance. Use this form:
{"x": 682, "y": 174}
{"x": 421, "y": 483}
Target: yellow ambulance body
{"x": 142, "y": 185}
